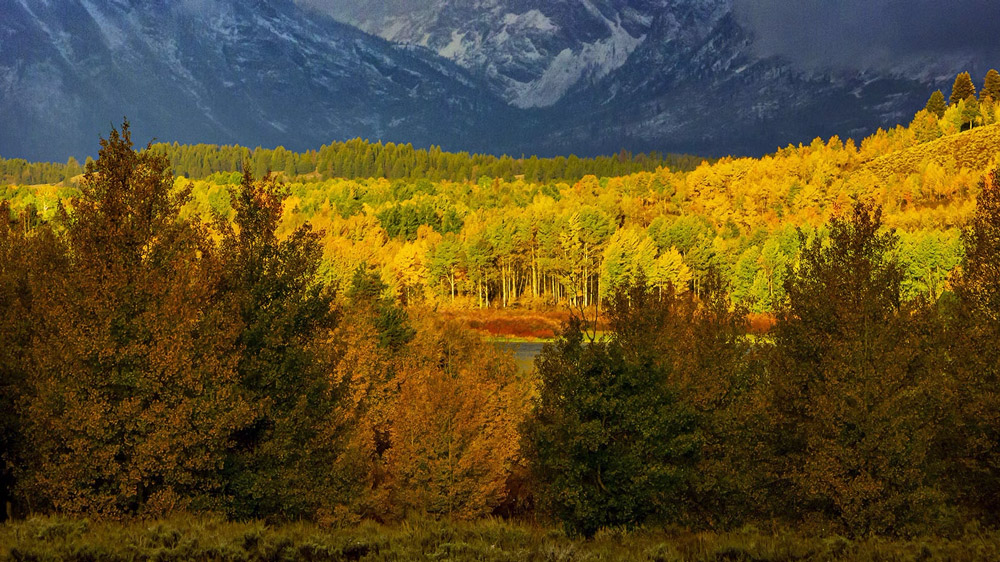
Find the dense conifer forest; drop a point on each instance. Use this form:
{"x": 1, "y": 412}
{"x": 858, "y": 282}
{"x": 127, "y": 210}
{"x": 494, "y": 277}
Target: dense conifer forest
{"x": 274, "y": 349}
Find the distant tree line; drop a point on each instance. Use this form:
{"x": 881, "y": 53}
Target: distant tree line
{"x": 364, "y": 159}
{"x": 18, "y": 171}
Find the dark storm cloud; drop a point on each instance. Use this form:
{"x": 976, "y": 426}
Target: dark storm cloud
{"x": 873, "y": 33}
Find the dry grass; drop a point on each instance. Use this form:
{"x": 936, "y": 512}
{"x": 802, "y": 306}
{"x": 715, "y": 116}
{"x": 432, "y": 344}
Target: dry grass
{"x": 199, "y": 538}
{"x": 976, "y": 149}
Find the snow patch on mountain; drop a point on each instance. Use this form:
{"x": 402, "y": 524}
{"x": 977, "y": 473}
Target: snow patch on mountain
{"x": 456, "y": 49}
{"x": 114, "y": 36}
{"x": 532, "y": 19}
{"x": 593, "y": 61}
{"x": 533, "y": 51}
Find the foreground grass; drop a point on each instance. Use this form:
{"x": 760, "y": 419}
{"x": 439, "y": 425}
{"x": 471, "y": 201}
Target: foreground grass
{"x": 211, "y": 539}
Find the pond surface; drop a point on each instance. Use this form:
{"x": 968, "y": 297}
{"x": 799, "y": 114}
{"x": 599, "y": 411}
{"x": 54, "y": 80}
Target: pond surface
{"x": 524, "y": 352}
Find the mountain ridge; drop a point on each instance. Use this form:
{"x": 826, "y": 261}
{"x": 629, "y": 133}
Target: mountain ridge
{"x": 226, "y": 72}
{"x": 680, "y": 76}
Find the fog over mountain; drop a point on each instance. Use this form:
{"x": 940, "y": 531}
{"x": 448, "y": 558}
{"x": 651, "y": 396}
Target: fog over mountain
{"x": 887, "y": 35}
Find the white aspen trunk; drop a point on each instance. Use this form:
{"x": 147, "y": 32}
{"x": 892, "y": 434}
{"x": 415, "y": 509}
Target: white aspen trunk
{"x": 534, "y": 273}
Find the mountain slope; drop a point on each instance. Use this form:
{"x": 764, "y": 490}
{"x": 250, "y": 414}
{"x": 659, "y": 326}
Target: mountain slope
{"x": 531, "y": 51}
{"x": 710, "y": 94}
{"x": 978, "y": 150}
{"x": 674, "y": 75}
{"x": 543, "y": 77}
{"x": 222, "y": 71}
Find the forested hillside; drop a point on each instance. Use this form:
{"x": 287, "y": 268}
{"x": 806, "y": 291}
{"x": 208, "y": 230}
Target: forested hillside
{"x": 479, "y": 231}
{"x": 260, "y": 350}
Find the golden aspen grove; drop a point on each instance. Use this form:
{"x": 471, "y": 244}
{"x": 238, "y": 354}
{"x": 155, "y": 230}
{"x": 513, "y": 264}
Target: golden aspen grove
{"x": 214, "y": 352}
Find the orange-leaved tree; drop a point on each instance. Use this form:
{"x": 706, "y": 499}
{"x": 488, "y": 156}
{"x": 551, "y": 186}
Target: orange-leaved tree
{"x": 132, "y": 390}
{"x": 454, "y": 438}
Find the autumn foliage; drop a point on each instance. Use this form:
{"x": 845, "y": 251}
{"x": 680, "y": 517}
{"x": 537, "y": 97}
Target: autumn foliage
{"x": 258, "y": 366}
{"x": 152, "y": 364}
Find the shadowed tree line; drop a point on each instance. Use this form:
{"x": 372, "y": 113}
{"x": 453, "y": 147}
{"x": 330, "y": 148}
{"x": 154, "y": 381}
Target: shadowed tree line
{"x": 154, "y": 363}
{"x": 359, "y": 158}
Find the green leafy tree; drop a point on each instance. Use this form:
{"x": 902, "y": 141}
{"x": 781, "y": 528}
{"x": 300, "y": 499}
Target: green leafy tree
{"x": 925, "y": 125}
{"x": 970, "y": 114}
{"x": 629, "y": 254}
{"x": 855, "y": 413}
{"x": 445, "y": 260}
{"x": 745, "y": 273}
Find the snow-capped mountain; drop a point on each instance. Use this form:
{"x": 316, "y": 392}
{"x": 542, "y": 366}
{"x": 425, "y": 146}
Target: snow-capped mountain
{"x": 220, "y": 71}
{"x": 680, "y": 75}
{"x": 710, "y": 93}
{"x": 532, "y": 51}
{"x": 518, "y": 76}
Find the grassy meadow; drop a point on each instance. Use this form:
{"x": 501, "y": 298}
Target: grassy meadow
{"x": 201, "y": 538}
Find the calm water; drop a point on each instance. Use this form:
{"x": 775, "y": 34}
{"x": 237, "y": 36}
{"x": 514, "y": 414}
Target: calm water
{"x": 524, "y": 353}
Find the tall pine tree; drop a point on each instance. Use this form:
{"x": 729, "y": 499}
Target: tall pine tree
{"x": 281, "y": 463}
{"x": 611, "y": 443}
{"x": 991, "y": 86}
{"x": 936, "y": 104}
{"x": 962, "y": 89}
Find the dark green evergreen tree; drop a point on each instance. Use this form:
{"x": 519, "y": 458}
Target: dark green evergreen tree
{"x": 936, "y": 104}
{"x": 280, "y": 465}
{"x": 391, "y": 320}
{"x": 609, "y": 441}
{"x": 848, "y": 388}
{"x": 991, "y": 86}
{"x": 962, "y": 89}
